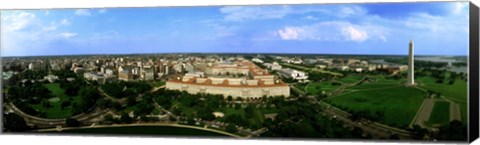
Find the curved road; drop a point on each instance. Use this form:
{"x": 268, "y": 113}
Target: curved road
{"x": 44, "y": 122}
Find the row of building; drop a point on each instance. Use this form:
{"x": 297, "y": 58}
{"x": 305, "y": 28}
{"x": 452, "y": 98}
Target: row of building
{"x": 240, "y": 78}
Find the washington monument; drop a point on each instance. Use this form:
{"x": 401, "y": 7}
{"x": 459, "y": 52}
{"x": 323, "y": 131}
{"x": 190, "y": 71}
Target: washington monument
{"x": 411, "y": 80}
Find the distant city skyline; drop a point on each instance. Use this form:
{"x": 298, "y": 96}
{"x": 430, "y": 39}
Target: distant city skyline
{"x": 438, "y": 28}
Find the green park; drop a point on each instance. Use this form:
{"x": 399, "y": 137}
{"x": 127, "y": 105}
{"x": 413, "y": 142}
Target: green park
{"x": 55, "y": 109}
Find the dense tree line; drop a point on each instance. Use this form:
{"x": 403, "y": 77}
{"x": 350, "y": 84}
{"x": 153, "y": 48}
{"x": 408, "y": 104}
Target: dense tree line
{"x": 28, "y": 92}
{"x": 454, "y": 131}
{"x": 88, "y": 98}
{"x": 14, "y": 123}
{"x": 301, "y": 119}
{"x": 417, "y": 63}
{"x": 33, "y": 75}
{"x": 65, "y": 73}
{"x": 318, "y": 76}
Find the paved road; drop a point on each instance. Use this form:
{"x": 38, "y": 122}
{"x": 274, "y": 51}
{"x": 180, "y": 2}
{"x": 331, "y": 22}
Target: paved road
{"x": 424, "y": 113}
{"x": 85, "y": 118}
{"x": 146, "y": 124}
{"x": 455, "y": 112}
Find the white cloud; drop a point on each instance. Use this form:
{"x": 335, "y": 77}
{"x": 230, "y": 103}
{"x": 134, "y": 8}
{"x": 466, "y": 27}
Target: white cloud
{"x": 25, "y": 34}
{"x": 311, "y": 18}
{"x": 354, "y": 34}
{"x": 347, "y": 11}
{"x": 82, "y": 12}
{"x": 240, "y": 13}
{"x": 67, "y": 35}
{"x": 333, "y": 31}
{"x": 290, "y": 33}
{"x": 437, "y": 24}
{"x": 51, "y": 27}
{"x": 65, "y": 22}
{"x": 459, "y": 7}
{"x": 101, "y": 11}
{"x": 224, "y": 34}
{"x": 18, "y": 21}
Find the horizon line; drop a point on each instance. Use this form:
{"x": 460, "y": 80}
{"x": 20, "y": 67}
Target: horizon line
{"x": 286, "y": 53}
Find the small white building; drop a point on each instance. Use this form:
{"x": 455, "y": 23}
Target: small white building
{"x": 294, "y": 74}
{"x": 321, "y": 66}
{"x": 51, "y": 78}
{"x": 257, "y": 60}
{"x": 276, "y": 66}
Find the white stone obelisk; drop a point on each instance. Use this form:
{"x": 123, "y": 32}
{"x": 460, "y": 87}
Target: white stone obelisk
{"x": 411, "y": 80}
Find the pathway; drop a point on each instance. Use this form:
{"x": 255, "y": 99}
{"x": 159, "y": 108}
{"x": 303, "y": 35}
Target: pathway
{"x": 423, "y": 114}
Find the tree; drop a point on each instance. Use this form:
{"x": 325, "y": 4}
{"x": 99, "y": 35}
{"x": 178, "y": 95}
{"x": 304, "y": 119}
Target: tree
{"x": 238, "y": 106}
{"x": 231, "y": 128}
{"x": 71, "y": 122}
{"x": 14, "y": 123}
{"x": 229, "y": 98}
{"x": 394, "y": 137}
{"x": 125, "y": 118}
{"x": 190, "y": 121}
{"x": 249, "y": 111}
{"x": 104, "y": 103}
{"x": 131, "y": 100}
{"x": 144, "y": 118}
{"x": 451, "y": 82}
{"x": 419, "y": 132}
{"x": 239, "y": 99}
{"x": 65, "y": 104}
{"x": 109, "y": 119}
{"x": 454, "y": 131}
{"x": 46, "y": 104}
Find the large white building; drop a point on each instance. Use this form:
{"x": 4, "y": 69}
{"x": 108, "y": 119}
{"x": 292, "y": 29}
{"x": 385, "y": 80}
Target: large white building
{"x": 240, "y": 79}
{"x": 294, "y": 74}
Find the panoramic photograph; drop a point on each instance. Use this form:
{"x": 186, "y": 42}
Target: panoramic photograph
{"x": 365, "y": 71}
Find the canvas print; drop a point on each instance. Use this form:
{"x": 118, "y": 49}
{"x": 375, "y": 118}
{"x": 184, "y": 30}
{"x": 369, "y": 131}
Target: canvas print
{"x": 365, "y": 71}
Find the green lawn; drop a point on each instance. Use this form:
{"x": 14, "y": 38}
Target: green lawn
{"x": 318, "y": 87}
{"x": 156, "y": 83}
{"x": 456, "y": 92}
{"x": 399, "y": 103}
{"x": 440, "y": 113}
{"x": 55, "y": 111}
{"x": 351, "y": 79}
{"x": 374, "y": 85}
{"x": 256, "y": 120}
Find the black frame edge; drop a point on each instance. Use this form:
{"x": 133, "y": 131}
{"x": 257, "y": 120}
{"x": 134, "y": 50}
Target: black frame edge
{"x": 473, "y": 119}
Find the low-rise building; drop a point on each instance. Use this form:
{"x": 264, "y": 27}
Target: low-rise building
{"x": 125, "y": 75}
{"x": 51, "y": 78}
{"x": 294, "y": 74}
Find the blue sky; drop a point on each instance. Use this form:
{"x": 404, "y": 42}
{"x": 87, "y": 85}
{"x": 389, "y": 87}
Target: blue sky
{"x": 437, "y": 28}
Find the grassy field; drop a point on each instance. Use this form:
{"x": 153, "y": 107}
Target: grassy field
{"x": 440, "y": 113}
{"x": 55, "y": 111}
{"x": 351, "y": 79}
{"x": 145, "y": 130}
{"x": 399, "y": 103}
{"x": 258, "y": 116}
{"x": 318, "y": 87}
{"x": 456, "y": 92}
{"x": 156, "y": 83}
{"x": 373, "y": 85}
